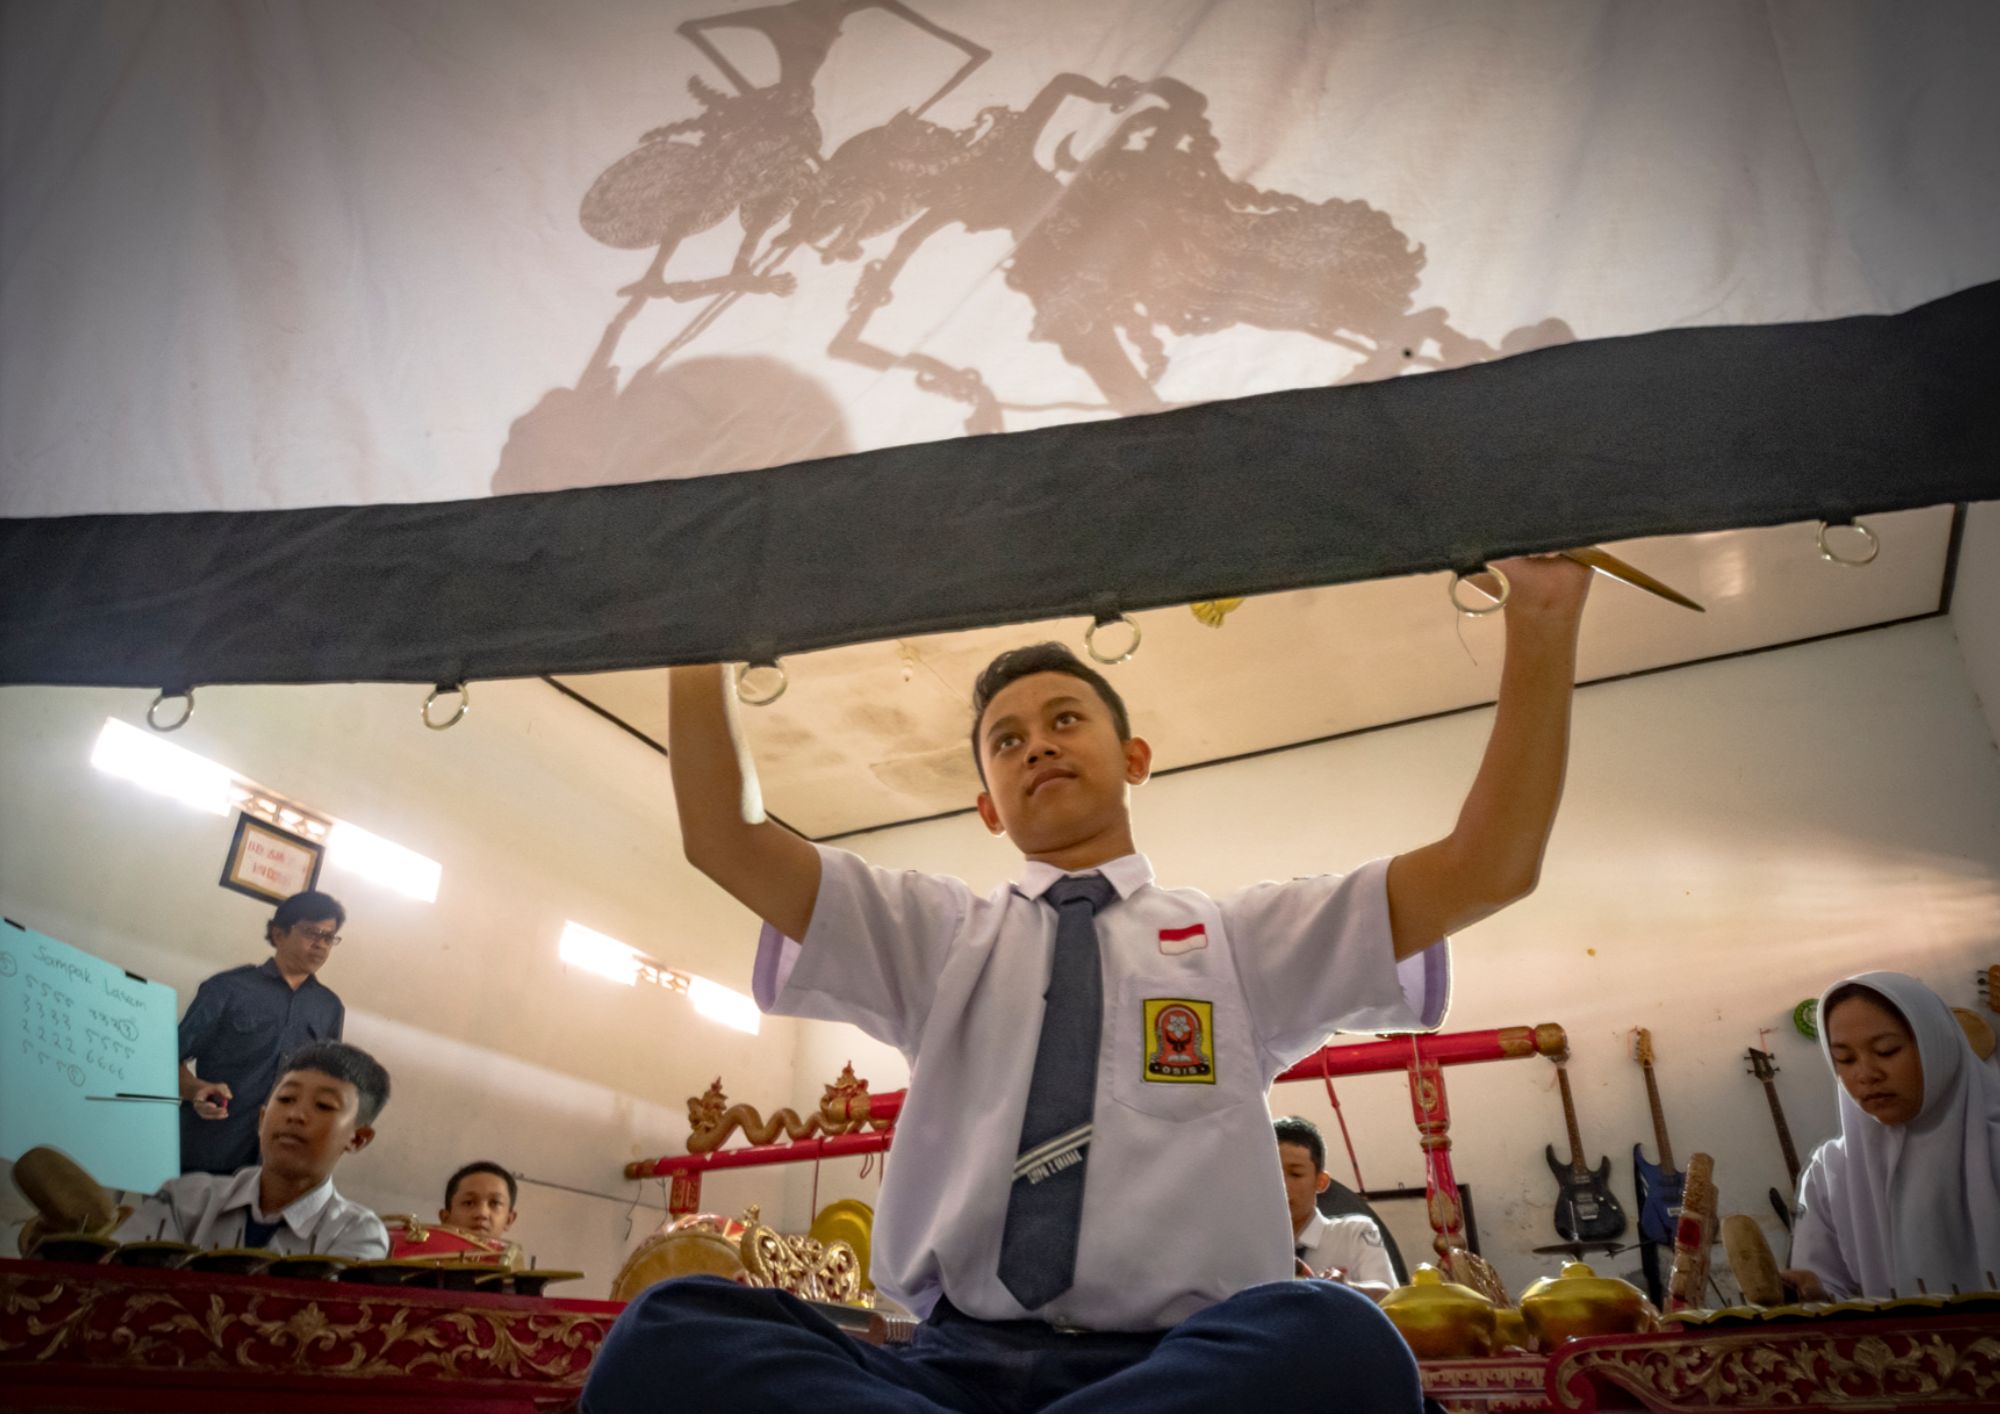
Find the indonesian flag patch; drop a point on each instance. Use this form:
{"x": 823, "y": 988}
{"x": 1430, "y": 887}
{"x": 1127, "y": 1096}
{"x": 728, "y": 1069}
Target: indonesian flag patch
{"x": 1179, "y": 940}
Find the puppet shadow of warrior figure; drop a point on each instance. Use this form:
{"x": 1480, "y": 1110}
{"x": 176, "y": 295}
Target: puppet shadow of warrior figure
{"x": 755, "y": 153}
{"x": 1147, "y": 234}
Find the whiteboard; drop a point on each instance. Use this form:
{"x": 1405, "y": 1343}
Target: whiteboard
{"x": 73, "y": 1026}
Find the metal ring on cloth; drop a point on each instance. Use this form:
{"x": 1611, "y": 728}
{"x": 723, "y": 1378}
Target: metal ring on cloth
{"x": 152, "y": 718}
{"x": 1472, "y": 611}
{"x": 1090, "y": 639}
{"x": 458, "y": 713}
{"x": 748, "y": 692}
{"x": 1869, "y": 537}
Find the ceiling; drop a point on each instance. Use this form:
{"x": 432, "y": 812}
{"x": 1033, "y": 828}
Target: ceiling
{"x": 876, "y": 734}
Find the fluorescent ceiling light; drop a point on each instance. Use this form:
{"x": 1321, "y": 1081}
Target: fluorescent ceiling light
{"x": 163, "y": 768}
{"x": 719, "y": 1003}
{"x": 606, "y": 957}
{"x": 355, "y": 850}
{"x": 594, "y": 952}
{"x": 150, "y": 763}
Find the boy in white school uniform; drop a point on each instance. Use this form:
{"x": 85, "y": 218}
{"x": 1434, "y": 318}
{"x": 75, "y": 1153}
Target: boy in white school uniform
{"x": 1343, "y": 1247}
{"x": 322, "y": 1108}
{"x": 1084, "y": 1200}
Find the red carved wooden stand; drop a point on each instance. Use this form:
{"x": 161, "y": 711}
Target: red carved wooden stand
{"x": 98, "y": 1338}
{"x": 92, "y": 1337}
{"x": 1422, "y": 1058}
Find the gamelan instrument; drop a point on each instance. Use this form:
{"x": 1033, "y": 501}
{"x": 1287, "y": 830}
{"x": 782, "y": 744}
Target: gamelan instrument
{"x": 411, "y": 1240}
{"x": 1658, "y": 1185}
{"x": 744, "y": 1251}
{"x": 1766, "y": 1070}
{"x": 74, "y": 1215}
{"x": 1694, "y": 1235}
{"x": 1750, "y": 1259}
{"x": 1585, "y": 1209}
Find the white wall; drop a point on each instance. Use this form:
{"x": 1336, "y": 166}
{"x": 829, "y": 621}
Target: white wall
{"x": 1734, "y": 836}
{"x": 539, "y": 812}
{"x": 1975, "y": 607}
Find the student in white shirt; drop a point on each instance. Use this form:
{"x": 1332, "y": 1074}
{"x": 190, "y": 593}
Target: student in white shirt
{"x": 1344, "y": 1247}
{"x": 323, "y": 1107}
{"x": 1084, "y": 1198}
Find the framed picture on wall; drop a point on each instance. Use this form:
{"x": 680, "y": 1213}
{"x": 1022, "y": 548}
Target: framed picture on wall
{"x": 268, "y": 863}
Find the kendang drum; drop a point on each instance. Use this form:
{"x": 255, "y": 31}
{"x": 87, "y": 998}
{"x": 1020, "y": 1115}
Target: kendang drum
{"x": 699, "y": 1244}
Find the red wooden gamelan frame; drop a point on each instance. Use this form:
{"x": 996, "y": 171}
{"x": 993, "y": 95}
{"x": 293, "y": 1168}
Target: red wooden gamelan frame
{"x": 1421, "y": 1057}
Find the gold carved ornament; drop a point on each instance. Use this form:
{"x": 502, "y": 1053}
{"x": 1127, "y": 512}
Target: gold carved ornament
{"x": 760, "y": 1256}
{"x": 150, "y": 1328}
{"x": 1816, "y": 1368}
{"x": 843, "y": 1109}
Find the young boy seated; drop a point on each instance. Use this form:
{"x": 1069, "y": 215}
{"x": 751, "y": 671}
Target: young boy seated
{"x": 480, "y": 1199}
{"x": 324, "y": 1106}
{"x": 1084, "y": 1200}
{"x": 1346, "y": 1247}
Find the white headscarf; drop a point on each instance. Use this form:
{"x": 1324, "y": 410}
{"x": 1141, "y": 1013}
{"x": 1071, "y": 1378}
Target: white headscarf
{"x": 1888, "y": 1204}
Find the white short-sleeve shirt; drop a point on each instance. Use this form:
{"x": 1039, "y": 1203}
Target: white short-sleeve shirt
{"x": 1350, "y": 1243}
{"x": 209, "y": 1210}
{"x": 1205, "y": 1001}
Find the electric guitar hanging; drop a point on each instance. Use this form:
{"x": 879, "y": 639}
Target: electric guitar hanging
{"x": 1766, "y": 1070}
{"x": 1659, "y": 1185}
{"x": 1585, "y": 1209}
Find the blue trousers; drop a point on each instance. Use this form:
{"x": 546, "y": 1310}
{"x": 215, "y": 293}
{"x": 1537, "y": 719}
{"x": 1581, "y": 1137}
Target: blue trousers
{"x": 701, "y": 1343}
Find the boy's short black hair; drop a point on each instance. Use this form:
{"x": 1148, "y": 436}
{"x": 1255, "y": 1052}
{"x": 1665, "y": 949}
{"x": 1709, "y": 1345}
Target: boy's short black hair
{"x": 344, "y": 1062}
{"x": 482, "y": 1166}
{"x": 308, "y": 907}
{"x": 1304, "y": 1133}
{"x": 1018, "y": 663}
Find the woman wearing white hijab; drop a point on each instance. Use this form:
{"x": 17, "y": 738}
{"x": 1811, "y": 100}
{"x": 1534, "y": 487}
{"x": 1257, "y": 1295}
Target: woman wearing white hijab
{"x": 1907, "y": 1199}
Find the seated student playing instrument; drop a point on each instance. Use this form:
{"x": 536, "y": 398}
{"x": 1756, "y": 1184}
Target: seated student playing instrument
{"x": 323, "y": 1106}
{"x": 1346, "y": 1247}
{"x": 1907, "y": 1199}
{"x": 480, "y": 1199}
{"x": 1081, "y": 1235}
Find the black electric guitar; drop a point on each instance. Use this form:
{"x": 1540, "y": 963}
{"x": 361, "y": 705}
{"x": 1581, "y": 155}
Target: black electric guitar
{"x": 1766, "y": 1070}
{"x": 1658, "y": 1185}
{"x": 1585, "y": 1209}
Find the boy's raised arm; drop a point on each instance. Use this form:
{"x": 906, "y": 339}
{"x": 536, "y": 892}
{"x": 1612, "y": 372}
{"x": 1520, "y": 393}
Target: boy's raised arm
{"x": 724, "y": 831}
{"x": 1493, "y": 855}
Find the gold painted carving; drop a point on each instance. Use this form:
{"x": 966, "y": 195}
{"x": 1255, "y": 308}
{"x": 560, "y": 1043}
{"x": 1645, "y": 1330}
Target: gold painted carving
{"x": 153, "y": 1327}
{"x": 804, "y": 1266}
{"x": 843, "y": 1109}
{"x": 16, "y": 1302}
{"x": 1819, "y": 1368}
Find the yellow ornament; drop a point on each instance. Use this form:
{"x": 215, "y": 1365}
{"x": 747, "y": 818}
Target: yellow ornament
{"x": 1213, "y": 611}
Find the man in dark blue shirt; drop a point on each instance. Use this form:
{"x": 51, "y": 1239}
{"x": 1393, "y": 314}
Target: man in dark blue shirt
{"x": 243, "y": 1022}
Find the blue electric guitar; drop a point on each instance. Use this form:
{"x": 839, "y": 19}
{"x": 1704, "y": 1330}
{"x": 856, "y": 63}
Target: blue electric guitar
{"x": 1659, "y": 1185}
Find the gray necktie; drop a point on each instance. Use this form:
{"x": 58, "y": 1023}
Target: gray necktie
{"x": 1045, "y": 1205}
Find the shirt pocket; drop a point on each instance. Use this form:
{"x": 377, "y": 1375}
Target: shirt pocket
{"x": 240, "y": 1040}
{"x": 1180, "y": 1049}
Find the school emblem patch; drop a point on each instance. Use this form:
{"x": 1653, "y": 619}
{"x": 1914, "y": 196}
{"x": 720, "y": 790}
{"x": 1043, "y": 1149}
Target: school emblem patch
{"x": 1180, "y": 1041}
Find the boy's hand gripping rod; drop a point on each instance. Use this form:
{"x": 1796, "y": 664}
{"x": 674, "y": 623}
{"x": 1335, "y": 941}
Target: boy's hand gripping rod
{"x": 1603, "y": 561}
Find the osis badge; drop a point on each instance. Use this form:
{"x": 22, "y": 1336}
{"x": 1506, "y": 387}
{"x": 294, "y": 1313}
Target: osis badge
{"x": 1179, "y": 1041}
